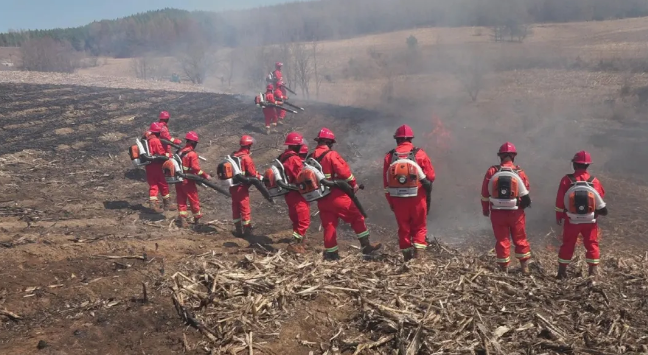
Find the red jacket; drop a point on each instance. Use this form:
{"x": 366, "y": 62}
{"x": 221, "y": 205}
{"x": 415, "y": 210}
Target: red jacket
{"x": 333, "y": 166}
{"x": 269, "y": 97}
{"x": 485, "y": 194}
{"x": 292, "y": 164}
{"x": 278, "y": 75}
{"x": 279, "y": 95}
{"x": 565, "y": 184}
{"x": 164, "y": 134}
{"x": 155, "y": 146}
{"x": 190, "y": 162}
{"x": 422, "y": 160}
{"x": 247, "y": 164}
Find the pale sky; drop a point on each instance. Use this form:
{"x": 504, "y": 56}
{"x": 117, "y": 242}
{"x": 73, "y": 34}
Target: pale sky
{"x": 46, "y": 14}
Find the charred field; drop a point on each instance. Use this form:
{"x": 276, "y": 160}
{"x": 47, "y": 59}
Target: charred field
{"x": 85, "y": 268}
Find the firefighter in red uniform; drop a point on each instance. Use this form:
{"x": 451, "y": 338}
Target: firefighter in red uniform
{"x": 277, "y": 75}
{"x": 187, "y": 190}
{"x": 164, "y": 134}
{"x": 154, "y": 174}
{"x": 270, "y": 113}
{"x": 241, "y": 212}
{"x": 303, "y": 152}
{"x": 298, "y": 208}
{"x": 505, "y": 195}
{"x": 578, "y": 220}
{"x": 411, "y": 211}
{"x": 280, "y": 97}
{"x": 337, "y": 205}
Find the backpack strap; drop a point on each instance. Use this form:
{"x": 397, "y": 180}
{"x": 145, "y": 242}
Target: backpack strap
{"x": 319, "y": 159}
{"x": 571, "y": 178}
{"x": 286, "y": 157}
{"x": 591, "y": 180}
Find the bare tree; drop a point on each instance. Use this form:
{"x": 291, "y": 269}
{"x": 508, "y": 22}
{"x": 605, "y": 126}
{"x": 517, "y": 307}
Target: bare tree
{"x": 196, "y": 60}
{"x": 145, "y": 67}
{"x": 317, "y": 68}
{"x": 303, "y": 62}
{"x": 471, "y": 73}
{"x": 49, "y": 55}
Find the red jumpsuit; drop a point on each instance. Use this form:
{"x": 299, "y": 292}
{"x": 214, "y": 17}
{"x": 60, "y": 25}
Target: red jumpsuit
{"x": 298, "y": 208}
{"x": 337, "y": 204}
{"x": 280, "y": 97}
{"x": 507, "y": 223}
{"x": 270, "y": 113}
{"x": 164, "y": 134}
{"x": 241, "y": 193}
{"x": 589, "y": 231}
{"x": 278, "y": 76}
{"x": 154, "y": 174}
{"x": 411, "y": 212}
{"x": 188, "y": 189}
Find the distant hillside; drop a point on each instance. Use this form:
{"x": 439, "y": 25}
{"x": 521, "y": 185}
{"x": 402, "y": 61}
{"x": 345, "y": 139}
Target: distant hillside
{"x": 164, "y": 30}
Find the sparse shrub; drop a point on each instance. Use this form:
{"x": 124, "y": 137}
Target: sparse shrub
{"x": 412, "y": 43}
{"x": 49, "y": 55}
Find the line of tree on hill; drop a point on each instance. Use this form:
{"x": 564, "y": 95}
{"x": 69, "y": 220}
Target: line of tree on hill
{"x": 165, "y": 30}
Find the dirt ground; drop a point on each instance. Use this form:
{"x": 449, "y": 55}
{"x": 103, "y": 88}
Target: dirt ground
{"x": 70, "y": 200}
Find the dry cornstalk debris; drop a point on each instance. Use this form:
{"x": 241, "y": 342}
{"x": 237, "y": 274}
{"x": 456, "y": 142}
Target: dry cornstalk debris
{"x": 452, "y": 302}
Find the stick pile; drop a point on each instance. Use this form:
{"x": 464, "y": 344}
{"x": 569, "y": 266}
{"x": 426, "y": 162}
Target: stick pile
{"x": 451, "y": 302}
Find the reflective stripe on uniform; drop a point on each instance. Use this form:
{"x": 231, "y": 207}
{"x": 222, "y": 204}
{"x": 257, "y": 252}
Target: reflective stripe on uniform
{"x": 153, "y": 198}
{"x": 420, "y": 246}
{"x": 328, "y": 176}
{"x": 200, "y": 172}
{"x": 237, "y": 220}
{"x": 558, "y": 209}
{"x": 523, "y": 256}
{"x": 166, "y": 197}
{"x": 350, "y": 178}
{"x": 184, "y": 213}
{"x": 331, "y": 250}
{"x": 297, "y": 236}
{"x": 406, "y": 250}
{"x": 363, "y": 234}
{"x": 563, "y": 261}
{"x": 485, "y": 199}
{"x": 592, "y": 261}
{"x": 504, "y": 261}
{"x": 246, "y": 223}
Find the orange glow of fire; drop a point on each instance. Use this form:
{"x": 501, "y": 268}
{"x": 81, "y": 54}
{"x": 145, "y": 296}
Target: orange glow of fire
{"x": 439, "y": 137}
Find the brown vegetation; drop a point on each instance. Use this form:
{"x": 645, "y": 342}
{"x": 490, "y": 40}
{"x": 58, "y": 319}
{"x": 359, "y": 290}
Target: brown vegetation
{"x": 49, "y": 55}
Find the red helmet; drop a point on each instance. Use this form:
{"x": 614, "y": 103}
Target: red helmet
{"x": 164, "y": 115}
{"x": 404, "y": 131}
{"x": 303, "y": 149}
{"x": 156, "y": 127}
{"x": 192, "y": 136}
{"x": 325, "y": 133}
{"x": 269, "y": 87}
{"x": 246, "y": 140}
{"x": 294, "y": 138}
{"x": 278, "y": 65}
{"x": 507, "y": 148}
{"x": 582, "y": 157}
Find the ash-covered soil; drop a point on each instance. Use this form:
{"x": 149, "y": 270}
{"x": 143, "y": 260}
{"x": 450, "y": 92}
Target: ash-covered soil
{"x": 71, "y": 209}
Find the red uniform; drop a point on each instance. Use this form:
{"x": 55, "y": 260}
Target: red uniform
{"x": 280, "y": 97}
{"x": 507, "y": 224}
{"x": 270, "y": 113}
{"x": 188, "y": 190}
{"x": 411, "y": 212}
{"x": 154, "y": 174}
{"x": 164, "y": 134}
{"x": 298, "y": 208}
{"x": 277, "y": 75}
{"x": 241, "y": 193}
{"x": 337, "y": 204}
{"x": 589, "y": 231}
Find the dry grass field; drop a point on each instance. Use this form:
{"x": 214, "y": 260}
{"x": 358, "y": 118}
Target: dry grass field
{"x": 85, "y": 268}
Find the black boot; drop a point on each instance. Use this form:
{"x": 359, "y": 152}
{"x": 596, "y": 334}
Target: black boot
{"x": 367, "y": 247}
{"x": 331, "y": 255}
{"x": 238, "y": 232}
{"x": 247, "y": 231}
{"x": 408, "y": 255}
{"x": 562, "y": 272}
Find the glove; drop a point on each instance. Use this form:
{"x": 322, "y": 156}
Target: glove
{"x": 177, "y": 141}
{"x": 356, "y": 188}
{"x": 559, "y": 218}
{"x": 207, "y": 177}
{"x": 486, "y": 213}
